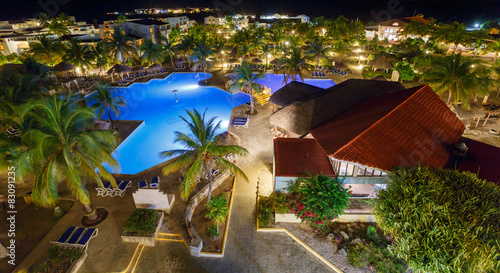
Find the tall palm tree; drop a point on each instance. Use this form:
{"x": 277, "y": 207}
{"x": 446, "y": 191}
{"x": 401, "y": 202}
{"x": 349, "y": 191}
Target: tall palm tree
{"x": 317, "y": 50}
{"x": 186, "y": 45}
{"x": 47, "y": 50}
{"x": 104, "y": 100}
{"x": 78, "y": 54}
{"x": 100, "y": 56}
{"x": 494, "y": 47}
{"x": 120, "y": 46}
{"x": 294, "y": 66}
{"x": 265, "y": 48}
{"x": 202, "y": 56}
{"x": 456, "y": 75}
{"x": 246, "y": 81}
{"x": 175, "y": 35}
{"x": 58, "y": 28}
{"x": 275, "y": 37}
{"x": 43, "y": 19}
{"x": 168, "y": 47}
{"x": 64, "y": 18}
{"x": 199, "y": 153}
{"x": 151, "y": 52}
{"x": 60, "y": 146}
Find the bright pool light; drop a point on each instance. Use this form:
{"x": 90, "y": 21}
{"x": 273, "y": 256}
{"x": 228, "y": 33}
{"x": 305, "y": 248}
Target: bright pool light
{"x": 191, "y": 86}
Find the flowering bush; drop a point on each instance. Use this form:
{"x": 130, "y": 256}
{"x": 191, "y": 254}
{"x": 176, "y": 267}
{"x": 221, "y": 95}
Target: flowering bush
{"x": 318, "y": 200}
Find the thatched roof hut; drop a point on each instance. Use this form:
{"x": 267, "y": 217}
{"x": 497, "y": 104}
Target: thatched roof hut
{"x": 119, "y": 68}
{"x": 341, "y": 66}
{"x": 63, "y": 67}
{"x": 257, "y": 61}
{"x": 305, "y": 114}
{"x": 227, "y": 139}
{"x": 233, "y": 60}
{"x": 381, "y": 62}
{"x": 295, "y": 91}
{"x": 275, "y": 61}
{"x": 234, "y": 52}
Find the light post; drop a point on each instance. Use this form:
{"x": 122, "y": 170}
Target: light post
{"x": 175, "y": 93}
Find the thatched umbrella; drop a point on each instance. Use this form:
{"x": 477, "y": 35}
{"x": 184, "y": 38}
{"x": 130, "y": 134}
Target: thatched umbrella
{"x": 155, "y": 67}
{"x": 63, "y": 67}
{"x": 341, "y": 66}
{"x": 180, "y": 61}
{"x": 119, "y": 69}
{"x": 275, "y": 61}
{"x": 227, "y": 139}
{"x": 138, "y": 69}
{"x": 233, "y": 60}
{"x": 257, "y": 61}
{"x": 234, "y": 52}
{"x": 295, "y": 117}
{"x": 381, "y": 62}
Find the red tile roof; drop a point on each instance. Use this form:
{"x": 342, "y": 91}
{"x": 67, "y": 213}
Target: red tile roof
{"x": 419, "y": 19}
{"x": 405, "y": 128}
{"x": 295, "y": 158}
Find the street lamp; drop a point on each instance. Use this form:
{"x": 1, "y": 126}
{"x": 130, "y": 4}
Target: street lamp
{"x": 175, "y": 92}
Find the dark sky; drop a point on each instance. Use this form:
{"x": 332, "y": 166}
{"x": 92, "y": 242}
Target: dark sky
{"x": 462, "y": 10}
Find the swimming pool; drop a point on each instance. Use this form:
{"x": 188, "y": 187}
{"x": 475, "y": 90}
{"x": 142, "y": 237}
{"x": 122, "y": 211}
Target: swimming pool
{"x": 154, "y": 103}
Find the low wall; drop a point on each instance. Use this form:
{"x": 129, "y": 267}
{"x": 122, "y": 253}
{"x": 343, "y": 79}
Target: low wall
{"x": 346, "y": 217}
{"x": 147, "y": 241}
{"x": 76, "y": 265}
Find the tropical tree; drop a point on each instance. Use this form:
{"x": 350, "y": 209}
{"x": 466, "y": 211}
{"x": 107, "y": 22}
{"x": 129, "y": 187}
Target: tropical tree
{"x": 64, "y": 18}
{"x": 61, "y": 146}
{"x": 100, "y": 56}
{"x": 265, "y": 49}
{"x": 168, "y": 47}
{"x": 217, "y": 210}
{"x": 43, "y": 19}
{"x": 456, "y": 75}
{"x": 494, "y": 47}
{"x": 246, "y": 81}
{"x": 200, "y": 153}
{"x": 294, "y": 66}
{"x": 406, "y": 71}
{"x": 104, "y": 100}
{"x": 441, "y": 220}
{"x": 122, "y": 18}
{"x": 78, "y": 54}
{"x": 186, "y": 45}
{"x": 202, "y": 57}
{"x": 47, "y": 50}
{"x": 317, "y": 50}
{"x": 151, "y": 52}
{"x": 175, "y": 35}
{"x": 58, "y": 28}
{"x": 120, "y": 46}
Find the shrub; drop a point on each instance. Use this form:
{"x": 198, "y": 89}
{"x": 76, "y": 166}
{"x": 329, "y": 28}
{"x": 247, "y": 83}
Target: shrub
{"x": 217, "y": 209}
{"x": 60, "y": 259}
{"x": 319, "y": 199}
{"x": 371, "y": 233}
{"x": 365, "y": 254}
{"x": 141, "y": 221}
{"x": 212, "y": 231}
{"x": 280, "y": 202}
{"x": 265, "y": 213}
{"x": 441, "y": 220}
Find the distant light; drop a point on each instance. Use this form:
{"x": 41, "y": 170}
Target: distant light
{"x": 358, "y": 50}
{"x": 191, "y": 86}
{"x": 269, "y": 55}
{"x": 361, "y": 67}
{"x": 286, "y": 43}
{"x": 476, "y": 25}
{"x": 427, "y": 52}
{"x": 473, "y": 66}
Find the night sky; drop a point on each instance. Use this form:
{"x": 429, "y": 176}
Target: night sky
{"x": 443, "y": 10}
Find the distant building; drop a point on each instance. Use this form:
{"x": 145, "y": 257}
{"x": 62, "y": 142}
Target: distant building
{"x": 212, "y": 20}
{"x": 146, "y": 29}
{"x": 391, "y": 29}
{"x": 303, "y": 18}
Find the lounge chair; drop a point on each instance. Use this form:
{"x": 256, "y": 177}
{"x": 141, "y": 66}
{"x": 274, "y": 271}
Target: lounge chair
{"x": 101, "y": 192}
{"x": 83, "y": 243}
{"x": 323, "y": 74}
{"x": 109, "y": 190}
{"x": 76, "y": 236}
{"x": 143, "y": 184}
{"x": 120, "y": 191}
{"x": 241, "y": 122}
{"x": 65, "y": 236}
{"x": 155, "y": 182}
{"x": 183, "y": 67}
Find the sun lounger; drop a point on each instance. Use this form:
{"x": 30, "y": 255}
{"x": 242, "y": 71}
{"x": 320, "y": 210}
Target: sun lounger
{"x": 323, "y": 74}
{"x": 75, "y": 236}
{"x": 86, "y": 237}
{"x": 109, "y": 190}
{"x": 243, "y": 123}
{"x": 143, "y": 184}
{"x": 101, "y": 192}
{"x": 155, "y": 182}
{"x": 120, "y": 191}
{"x": 65, "y": 236}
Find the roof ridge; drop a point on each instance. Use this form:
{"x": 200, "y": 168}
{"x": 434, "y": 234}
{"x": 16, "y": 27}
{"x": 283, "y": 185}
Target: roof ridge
{"x": 420, "y": 88}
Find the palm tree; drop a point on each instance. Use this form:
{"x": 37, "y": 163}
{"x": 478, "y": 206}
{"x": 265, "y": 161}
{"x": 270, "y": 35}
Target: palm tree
{"x": 64, "y": 18}
{"x": 58, "y": 28}
{"x": 494, "y": 47}
{"x": 246, "y": 81}
{"x": 456, "y": 75}
{"x": 100, "y": 56}
{"x": 47, "y": 50}
{"x": 120, "y": 46}
{"x": 199, "y": 153}
{"x": 168, "y": 47}
{"x": 105, "y": 101}
{"x": 43, "y": 19}
{"x": 175, "y": 35}
{"x": 266, "y": 49}
{"x": 78, "y": 54}
{"x": 61, "y": 146}
{"x": 151, "y": 52}
{"x": 202, "y": 53}
{"x": 317, "y": 50}
{"x": 186, "y": 45}
{"x": 294, "y": 66}
{"x": 217, "y": 210}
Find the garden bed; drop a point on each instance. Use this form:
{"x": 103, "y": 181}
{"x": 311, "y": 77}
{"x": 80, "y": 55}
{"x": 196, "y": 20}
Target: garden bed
{"x": 58, "y": 260}
{"x": 201, "y": 224}
{"x": 142, "y": 227}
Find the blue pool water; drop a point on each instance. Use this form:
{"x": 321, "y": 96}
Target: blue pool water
{"x": 154, "y": 103}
